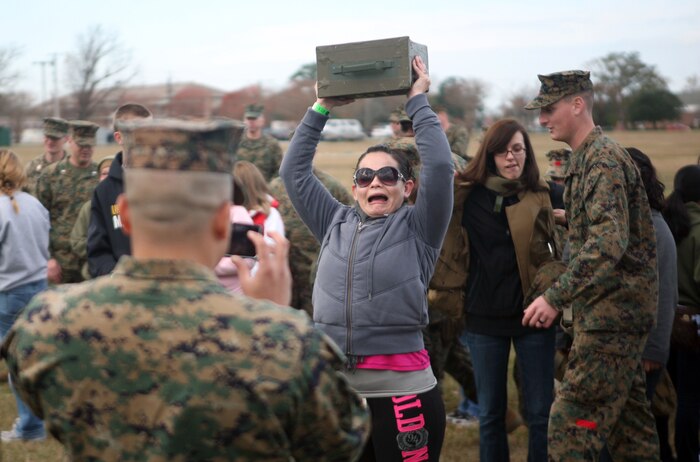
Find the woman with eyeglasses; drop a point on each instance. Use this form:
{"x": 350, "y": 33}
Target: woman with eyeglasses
{"x": 374, "y": 266}
{"x": 500, "y": 235}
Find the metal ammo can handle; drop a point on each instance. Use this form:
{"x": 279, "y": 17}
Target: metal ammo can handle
{"x": 361, "y": 67}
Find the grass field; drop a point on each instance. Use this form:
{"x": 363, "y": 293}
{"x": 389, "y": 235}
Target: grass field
{"x": 668, "y": 150}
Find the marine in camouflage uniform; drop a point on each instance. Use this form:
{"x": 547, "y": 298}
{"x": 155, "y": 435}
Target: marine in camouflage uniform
{"x": 63, "y": 188}
{"x": 558, "y": 162}
{"x": 610, "y": 283}
{"x": 257, "y": 148}
{"x": 159, "y": 362}
{"x": 458, "y": 137}
{"x": 394, "y": 122}
{"x": 406, "y": 144}
{"x": 303, "y": 246}
{"x": 55, "y": 132}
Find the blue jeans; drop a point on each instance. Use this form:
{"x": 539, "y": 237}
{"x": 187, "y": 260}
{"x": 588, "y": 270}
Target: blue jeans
{"x": 12, "y": 302}
{"x": 466, "y": 406}
{"x": 490, "y": 355}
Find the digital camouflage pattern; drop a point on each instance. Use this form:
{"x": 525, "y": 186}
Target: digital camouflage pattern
{"x": 63, "y": 189}
{"x": 55, "y": 127}
{"x": 265, "y": 153}
{"x": 83, "y": 132}
{"x": 395, "y": 115}
{"x": 458, "y": 137}
{"x": 448, "y": 354}
{"x": 611, "y": 278}
{"x": 407, "y": 146}
{"x": 180, "y": 145}
{"x": 604, "y": 376}
{"x": 159, "y": 362}
{"x": 253, "y": 111}
{"x": 78, "y": 238}
{"x": 33, "y": 171}
{"x": 303, "y": 246}
{"x": 611, "y": 285}
{"x": 400, "y": 114}
{"x": 558, "y": 162}
{"x": 558, "y": 85}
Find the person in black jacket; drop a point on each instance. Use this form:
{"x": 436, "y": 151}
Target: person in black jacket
{"x": 106, "y": 241}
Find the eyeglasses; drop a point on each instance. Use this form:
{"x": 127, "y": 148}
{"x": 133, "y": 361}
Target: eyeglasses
{"x": 517, "y": 150}
{"x": 389, "y": 176}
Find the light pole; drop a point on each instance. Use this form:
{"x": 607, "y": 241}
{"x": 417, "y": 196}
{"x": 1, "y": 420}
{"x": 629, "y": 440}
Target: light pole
{"x": 56, "y": 101}
{"x": 43, "y": 83}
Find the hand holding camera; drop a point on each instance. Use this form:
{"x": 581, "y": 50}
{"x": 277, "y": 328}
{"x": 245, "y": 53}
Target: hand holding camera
{"x": 272, "y": 280}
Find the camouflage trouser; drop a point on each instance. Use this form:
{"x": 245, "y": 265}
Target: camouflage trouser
{"x": 603, "y": 398}
{"x": 71, "y": 275}
{"x": 302, "y": 287}
{"x": 447, "y": 354}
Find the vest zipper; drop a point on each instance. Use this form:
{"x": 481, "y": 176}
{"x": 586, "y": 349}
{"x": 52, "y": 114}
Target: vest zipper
{"x": 352, "y": 362}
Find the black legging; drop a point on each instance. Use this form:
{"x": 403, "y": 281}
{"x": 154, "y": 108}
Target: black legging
{"x": 404, "y": 427}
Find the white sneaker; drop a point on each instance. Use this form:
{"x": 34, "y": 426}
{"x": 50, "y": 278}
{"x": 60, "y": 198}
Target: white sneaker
{"x": 462, "y": 419}
{"x": 14, "y": 435}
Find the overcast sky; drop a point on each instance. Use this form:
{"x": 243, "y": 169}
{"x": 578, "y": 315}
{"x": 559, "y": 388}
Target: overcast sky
{"x": 229, "y": 44}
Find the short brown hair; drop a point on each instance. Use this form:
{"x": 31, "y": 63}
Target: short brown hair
{"x": 130, "y": 111}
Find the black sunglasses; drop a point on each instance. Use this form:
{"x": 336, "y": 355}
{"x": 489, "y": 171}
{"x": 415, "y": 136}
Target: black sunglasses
{"x": 389, "y": 176}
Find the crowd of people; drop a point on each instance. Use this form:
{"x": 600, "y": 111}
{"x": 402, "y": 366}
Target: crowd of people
{"x": 333, "y": 341}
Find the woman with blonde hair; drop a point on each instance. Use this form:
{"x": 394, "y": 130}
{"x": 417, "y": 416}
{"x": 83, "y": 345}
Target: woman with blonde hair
{"x": 256, "y": 197}
{"x": 24, "y": 253}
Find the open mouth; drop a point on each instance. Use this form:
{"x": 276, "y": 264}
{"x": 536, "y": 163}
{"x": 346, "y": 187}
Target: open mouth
{"x": 377, "y": 198}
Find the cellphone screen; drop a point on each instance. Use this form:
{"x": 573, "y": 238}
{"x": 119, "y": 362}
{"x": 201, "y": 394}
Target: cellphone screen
{"x": 239, "y": 243}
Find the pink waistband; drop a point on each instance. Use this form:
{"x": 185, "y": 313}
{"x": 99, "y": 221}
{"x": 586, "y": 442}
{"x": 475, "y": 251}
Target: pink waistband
{"x": 415, "y": 361}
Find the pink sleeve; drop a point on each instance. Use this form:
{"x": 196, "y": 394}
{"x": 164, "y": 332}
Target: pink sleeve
{"x": 239, "y": 214}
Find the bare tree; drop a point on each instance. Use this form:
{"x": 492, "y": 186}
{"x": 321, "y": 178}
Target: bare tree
{"x": 618, "y": 77}
{"x": 514, "y": 107}
{"x": 7, "y": 75}
{"x": 692, "y": 83}
{"x": 100, "y": 66}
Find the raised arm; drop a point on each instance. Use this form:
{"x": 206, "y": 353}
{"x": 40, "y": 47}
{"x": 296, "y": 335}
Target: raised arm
{"x": 310, "y": 198}
{"x": 433, "y": 206}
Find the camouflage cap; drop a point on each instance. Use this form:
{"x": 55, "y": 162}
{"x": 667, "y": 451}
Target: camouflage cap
{"x": 559, "y": 154}
{"x": 403, "y": 117}
{"x": 55, "y": 127}
{"x": 558, "y": 85}
{"x": 253, "y": 111}
{"x": 171, "y": 144}
{"x": 399, "y": 115}
{"x": 83, "y": 132}
{"x": 558, "y": 159}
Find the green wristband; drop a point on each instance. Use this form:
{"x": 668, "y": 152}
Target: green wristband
{"x": 320, "y": 109}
